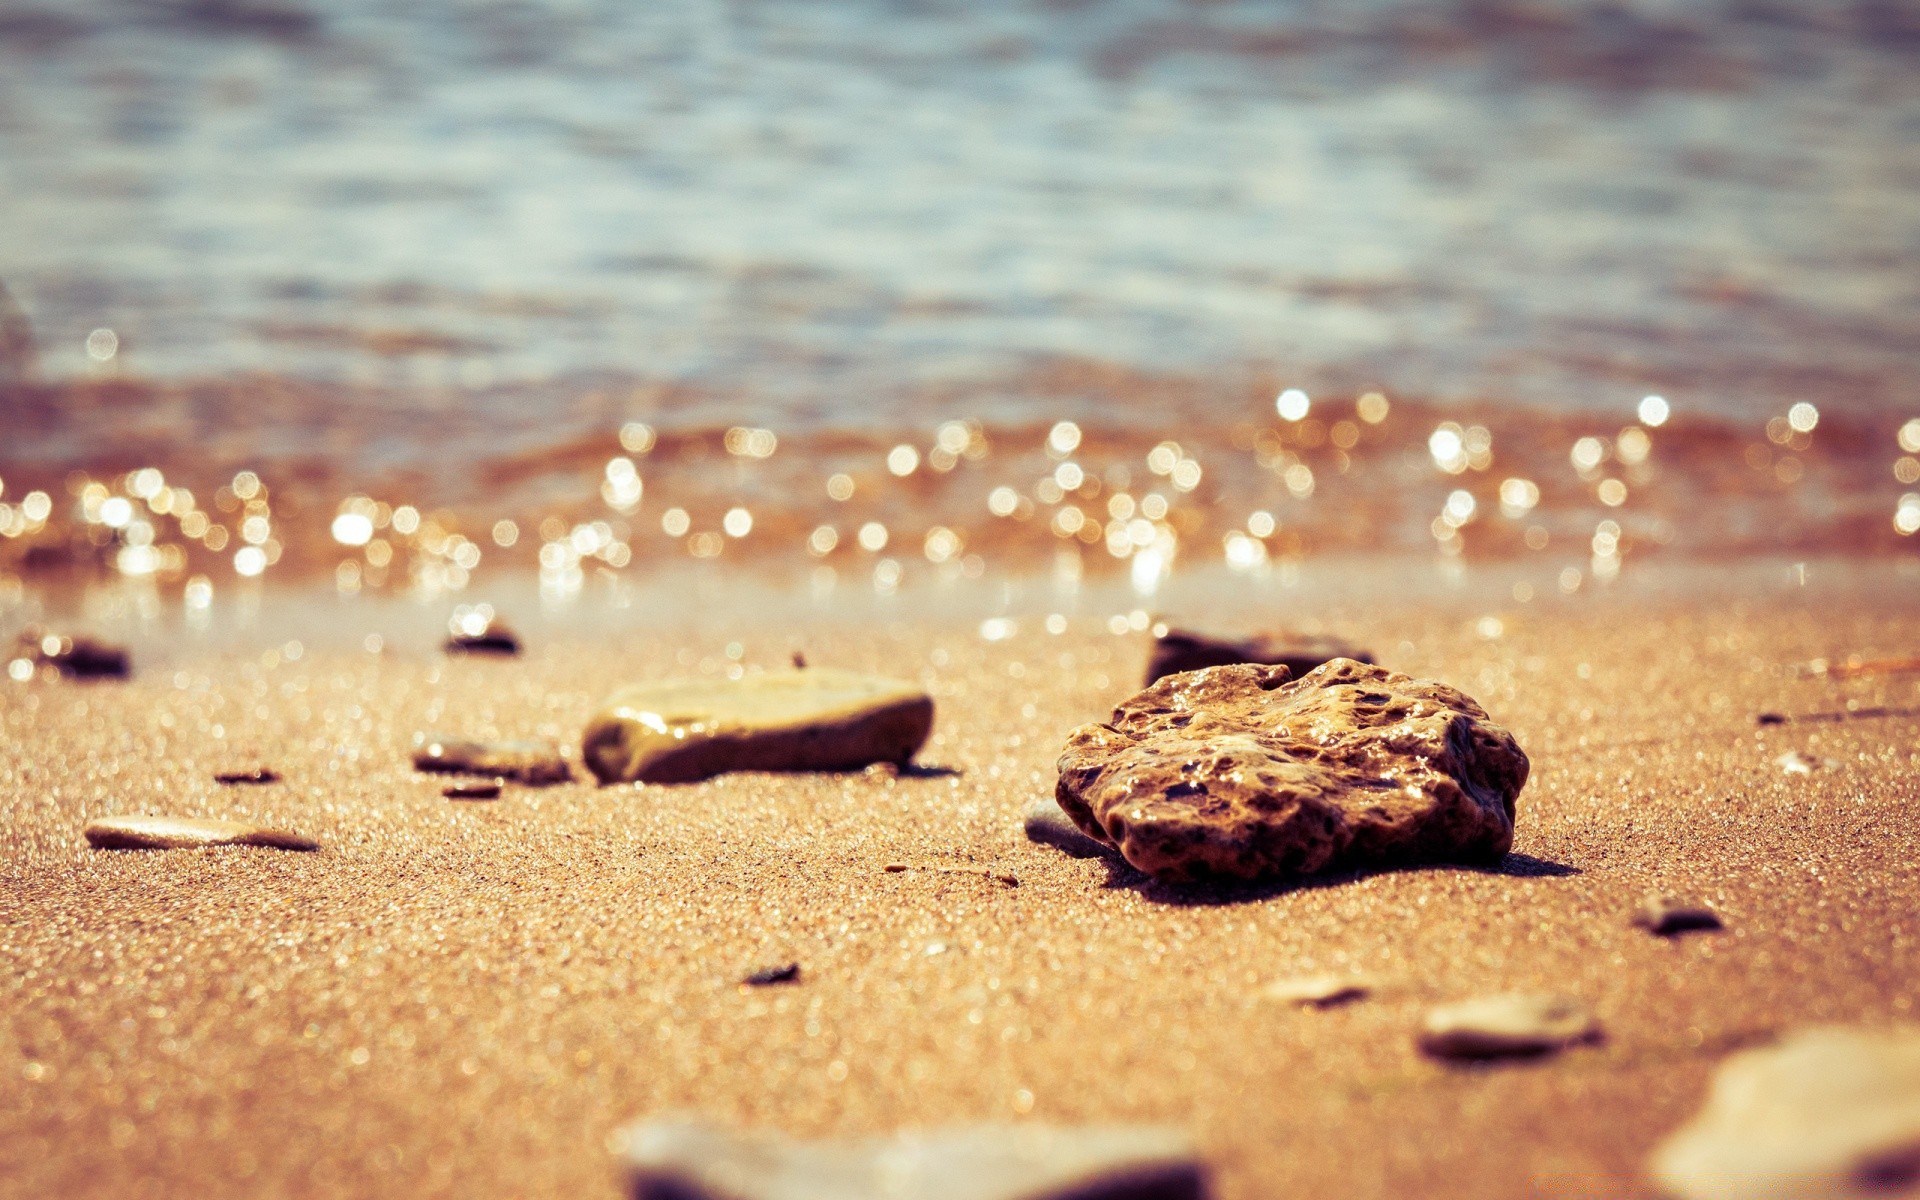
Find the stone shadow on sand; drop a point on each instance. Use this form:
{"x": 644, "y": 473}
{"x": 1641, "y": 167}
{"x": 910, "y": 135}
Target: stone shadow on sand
{"x": 1120, "y": 874}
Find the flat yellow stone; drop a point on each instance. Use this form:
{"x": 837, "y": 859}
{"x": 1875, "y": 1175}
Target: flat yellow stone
{"x": 813, "y": 720}
{"x": 186, "y": 833}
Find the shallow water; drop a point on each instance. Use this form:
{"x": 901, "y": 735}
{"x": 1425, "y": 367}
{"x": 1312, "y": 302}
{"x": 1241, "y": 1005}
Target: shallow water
{"x": 820, "y": 209}
{"x": 441, "y": 257}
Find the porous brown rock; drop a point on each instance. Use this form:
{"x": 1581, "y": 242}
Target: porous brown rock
{"x": 1235, "y": 772}
{"x": 531, "y": 762}
{"x": 187, "y": 833}
{"x": 1177, "y": 650}
{"x": 682, "y": 730}
{"x": 687, "y": 1160}
{"x": 1831, "y": 1113}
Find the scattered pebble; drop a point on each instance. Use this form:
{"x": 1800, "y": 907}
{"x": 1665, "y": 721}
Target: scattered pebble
{"x": 74, "y": 657}
{"x": 535, "y": 763}
{"x": 1005, "y": 877}
{"x": 687, "y": 1160}
{"x": 1047, "y": 824}
{"x": 256, "y": 775}
{"x": 475, "y": 630}
{"x": 814, "y": 720}
{"x": 1506, "y": 1026}
{"x": 1795, "y": 762}
{"x": 1666, "y": 916}
{"x": 779, "y": 973}
{"x": 484, "y": 790}
{"x": 1319, "y": 991}
{"x": 186, "y": 833}
{"x": 1177, "y": 650}
{"x": 1235, "y": 772}
{"x": 1827, "y": 1112}
{"x": 1770, "y": 718}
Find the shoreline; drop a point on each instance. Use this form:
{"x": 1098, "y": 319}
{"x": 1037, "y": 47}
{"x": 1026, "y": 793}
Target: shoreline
{"x": 470, "y": 998}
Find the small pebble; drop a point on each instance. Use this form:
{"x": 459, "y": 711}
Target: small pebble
{"x": 534, "y": 763}
{"x": 780, "y": 973}
{"x": 1795, "y": 762}
{"x": 1770, "y": 718}
{"x": 257, "y": 775}
{"x": 186, "y": 833}
{"x": 475, "y": 630}
{"x": 1319, "y": 991}
{"x": 1006, "y": 877}
{"x": 1506, "y": 1026}
{"x": 75, "y": 657}
{"x": 1046, "y": 824}
{"x": 487, "y": 790}
{"x": 1665, "y": 916}
{"x": 686, "y": 1160}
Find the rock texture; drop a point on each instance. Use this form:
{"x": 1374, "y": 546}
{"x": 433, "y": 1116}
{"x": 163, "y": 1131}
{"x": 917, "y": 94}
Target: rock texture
{"x": 813, "y": 720}
{"x": 676, "y": 1160}
{"x": 186, "y": 833}
{"x": 1047, "y": 824}
{"x": 1178, "y": 650}
{"x": 1235, "y": 772}
{"x": 534, "y": 763}
{"x": 1828, "y": 1113}
{"x": 1506, "y": 1026}
{"x": 1666, "y": 916}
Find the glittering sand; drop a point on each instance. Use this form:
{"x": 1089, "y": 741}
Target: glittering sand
{"x": 470, "y": 998}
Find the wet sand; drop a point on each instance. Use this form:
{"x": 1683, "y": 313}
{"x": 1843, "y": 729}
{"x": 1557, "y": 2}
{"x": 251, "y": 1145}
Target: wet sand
{"x": 470, "y": 998}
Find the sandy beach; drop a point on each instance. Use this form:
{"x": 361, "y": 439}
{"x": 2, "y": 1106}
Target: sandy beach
{"x": 471, "y": 998}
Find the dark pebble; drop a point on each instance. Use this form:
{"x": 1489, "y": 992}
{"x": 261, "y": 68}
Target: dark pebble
{"x": 783, "y": 973}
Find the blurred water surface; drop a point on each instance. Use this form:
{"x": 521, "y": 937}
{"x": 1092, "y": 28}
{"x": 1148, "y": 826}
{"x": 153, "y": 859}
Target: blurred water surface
{"x": 835, "y": 214}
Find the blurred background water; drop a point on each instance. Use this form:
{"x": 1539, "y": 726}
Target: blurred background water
{"x": 815, "y": 208}
{"x": 450, "y": 249}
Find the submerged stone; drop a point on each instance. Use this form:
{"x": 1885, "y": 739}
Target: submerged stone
{"x": 1506, "y": 1026}
{"x": 685, "y": 1160}
{"x": 1178, "y": 650}
{"x": 1234, "y": 772}
{"x": 1829, "y": 1113}
{"x": 532, "y": 762}
{"x": 814, "y": 720}
{"x": 74, "y": 657}
{"x": 1045, "y": 823}
{"x": 186, "y": 833}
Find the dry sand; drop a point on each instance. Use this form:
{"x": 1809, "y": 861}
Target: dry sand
{"x": 469, "y": 998}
